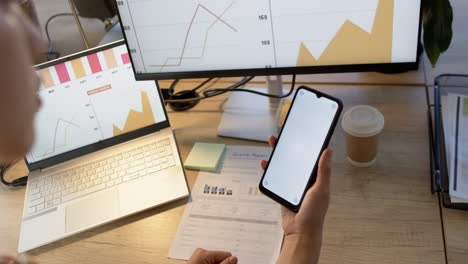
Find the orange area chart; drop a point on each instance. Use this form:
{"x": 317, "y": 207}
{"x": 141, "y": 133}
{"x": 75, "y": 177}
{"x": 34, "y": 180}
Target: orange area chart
{"x": 137, "y": 120}
{"x": 353, "y": 45}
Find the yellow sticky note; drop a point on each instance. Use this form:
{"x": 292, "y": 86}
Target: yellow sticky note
{"x": 204, "y": 157}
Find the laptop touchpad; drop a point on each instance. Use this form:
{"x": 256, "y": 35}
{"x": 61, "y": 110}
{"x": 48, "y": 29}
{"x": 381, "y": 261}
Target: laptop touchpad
{"x": 93, "y": 211}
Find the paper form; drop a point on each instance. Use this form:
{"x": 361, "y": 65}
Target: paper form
{"x": 227, "y": 212}
{"x": 455, "y": 115}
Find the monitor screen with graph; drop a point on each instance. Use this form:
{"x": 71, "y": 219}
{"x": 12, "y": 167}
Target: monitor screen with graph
{"x": 216, "y": 38}
{"x": 89, "y": 98}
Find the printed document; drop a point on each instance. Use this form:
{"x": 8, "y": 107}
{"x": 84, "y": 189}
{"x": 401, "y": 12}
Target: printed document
{"x": 228, "y": 212}
{"x": 455, "y": 119}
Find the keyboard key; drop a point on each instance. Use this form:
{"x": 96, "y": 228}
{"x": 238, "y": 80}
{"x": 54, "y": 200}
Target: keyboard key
{"x": 49, "y": 198}
{"x": 36, "y": 202}
{"x": 35, "y": 196}
{"x": 153, "y": 169}
{"x": 40, "y": 207}
{"x": 136, "y": 169}
{"x": 134, "y": 176}
{"x": 86, "y": 192}
{"x": 30, "y": 210}
{"x": 57, "y": 201}
{"x": 118, "y": 181}
{"x": 34, "y": 191}
{"x": 142, "y": 173}
{"x": 39, "y": 182}
{"x": 49, "y": 204}
{"x": 171, "y": 160}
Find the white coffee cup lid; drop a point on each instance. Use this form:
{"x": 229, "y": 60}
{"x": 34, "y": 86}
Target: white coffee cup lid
{"x": 363, "y": 121}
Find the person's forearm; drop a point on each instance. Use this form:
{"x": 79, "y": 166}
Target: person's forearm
{"x": 300, "y": 249}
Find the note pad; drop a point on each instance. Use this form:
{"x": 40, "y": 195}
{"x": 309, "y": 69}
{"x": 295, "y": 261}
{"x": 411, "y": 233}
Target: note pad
{"x": 204, "y": 156}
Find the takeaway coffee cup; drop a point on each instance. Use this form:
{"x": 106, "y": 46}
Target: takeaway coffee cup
{"x": 362, "y": 125}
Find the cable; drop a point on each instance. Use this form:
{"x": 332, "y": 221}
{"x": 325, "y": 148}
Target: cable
{"x": 255, "y": 92}
{"x": 187, "y": 99}
{"x": 16, "y": 183}
{"x": 50, "y": 51}
{"x": 210, "y": 85}
{"x": 202, "y": 84}
{"x": 198, "y": 97}
{"x": 233, "y": 88}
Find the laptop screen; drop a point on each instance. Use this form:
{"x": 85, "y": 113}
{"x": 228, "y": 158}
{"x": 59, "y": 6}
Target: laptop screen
{"x": 89, "y": 99}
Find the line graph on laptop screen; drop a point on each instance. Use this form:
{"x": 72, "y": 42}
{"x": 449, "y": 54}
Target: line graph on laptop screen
{"x": 187, "y": 35}
{"x": 91, "y": 99}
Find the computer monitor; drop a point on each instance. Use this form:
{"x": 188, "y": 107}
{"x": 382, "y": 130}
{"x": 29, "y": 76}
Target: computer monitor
{"x": 225, "y": 38}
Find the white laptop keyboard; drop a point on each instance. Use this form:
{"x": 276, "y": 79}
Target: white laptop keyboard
{"x": 48, "y": 191}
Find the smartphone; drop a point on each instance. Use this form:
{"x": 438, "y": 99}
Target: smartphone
{"x": 306, "y": 133}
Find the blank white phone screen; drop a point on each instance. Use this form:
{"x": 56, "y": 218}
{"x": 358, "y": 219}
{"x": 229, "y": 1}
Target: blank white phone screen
{"x": 299, "y": 146}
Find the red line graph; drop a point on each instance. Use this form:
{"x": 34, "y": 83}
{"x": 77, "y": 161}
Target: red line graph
{"x": 218, "y": 18}
{"x": 54, "y": 146}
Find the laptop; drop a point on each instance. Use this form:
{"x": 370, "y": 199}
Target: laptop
{"x": 104, "y": 147}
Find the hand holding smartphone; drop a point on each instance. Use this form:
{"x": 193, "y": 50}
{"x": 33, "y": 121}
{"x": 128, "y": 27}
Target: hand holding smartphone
{"x": 306, "y": 133}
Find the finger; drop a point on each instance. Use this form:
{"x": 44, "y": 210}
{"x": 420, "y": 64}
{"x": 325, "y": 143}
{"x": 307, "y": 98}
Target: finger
{"x": 272, "y": 140}
{"x": 324, "y": 170}
{"x": 230, "y": 260}
{"x": 217, "y": 256}
{"x": 263, "y": 164}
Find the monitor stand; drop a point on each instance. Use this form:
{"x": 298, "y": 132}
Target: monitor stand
{"x": 253, "y": 117}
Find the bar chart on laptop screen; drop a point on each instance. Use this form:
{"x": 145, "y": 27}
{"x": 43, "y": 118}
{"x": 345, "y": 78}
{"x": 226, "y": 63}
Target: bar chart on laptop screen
{"x": 188, "y": 35}
{"x": 91, "y": 99}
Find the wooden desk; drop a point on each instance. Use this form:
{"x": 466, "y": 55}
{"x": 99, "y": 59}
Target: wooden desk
{"x": 384, "y": 214}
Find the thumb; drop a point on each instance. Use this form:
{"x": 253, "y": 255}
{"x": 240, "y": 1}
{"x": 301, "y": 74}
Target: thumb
{"x": 230, "y": 260}
{"x": 324, "y": 170}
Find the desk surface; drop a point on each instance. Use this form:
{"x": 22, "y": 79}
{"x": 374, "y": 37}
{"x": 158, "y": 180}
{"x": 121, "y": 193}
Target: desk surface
{"x": 384, "y": 214}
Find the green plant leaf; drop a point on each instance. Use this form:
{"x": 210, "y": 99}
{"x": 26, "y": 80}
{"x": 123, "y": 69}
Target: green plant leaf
{"x": 437, "y": 20}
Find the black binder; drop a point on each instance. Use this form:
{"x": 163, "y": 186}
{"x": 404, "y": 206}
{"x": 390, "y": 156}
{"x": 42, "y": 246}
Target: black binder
{"x": 438, "y": 160}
